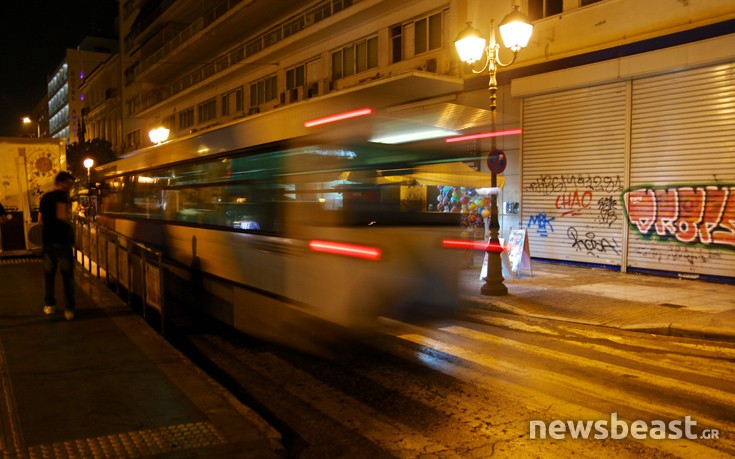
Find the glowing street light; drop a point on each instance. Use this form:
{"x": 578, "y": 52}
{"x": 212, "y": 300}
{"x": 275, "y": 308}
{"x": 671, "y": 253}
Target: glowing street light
{"x": 158, "y": 135}
{"x": 28, "y": 120}
{"x": 515, "y": 30}
{"x": 88, "y": 163}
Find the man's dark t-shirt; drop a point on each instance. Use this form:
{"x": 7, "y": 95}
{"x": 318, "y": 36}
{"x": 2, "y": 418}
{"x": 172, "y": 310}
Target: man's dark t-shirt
{"x": 55, "y": 231}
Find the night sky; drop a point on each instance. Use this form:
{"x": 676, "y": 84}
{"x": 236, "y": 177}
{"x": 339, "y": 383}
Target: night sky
{"x": 34, "y": 37}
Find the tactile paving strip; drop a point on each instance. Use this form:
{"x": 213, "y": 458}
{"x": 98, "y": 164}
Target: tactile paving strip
{"x": 17, "y": 261}
{"x": 134, "y": 444}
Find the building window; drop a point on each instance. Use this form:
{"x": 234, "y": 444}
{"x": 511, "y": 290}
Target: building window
{"x": 186, "y": 118}
{"x": 207, "y": 110}
{"x": 133, "y": 139}
{"x": 428, "y": 33}
{"x": 538, "y": 9}
{"x": 263, "y": 91}
{"x": 589, "y": 2}
{"x": 169, "y": 122}
{"x": 232, "y": 102}
{"x": 396, "y": 43}
{"x": 355, "y": 58}
{"x": 296, "y": 77}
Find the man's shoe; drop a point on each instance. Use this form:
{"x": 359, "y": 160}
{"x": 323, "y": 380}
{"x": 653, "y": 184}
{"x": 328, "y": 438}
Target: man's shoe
{"x": 48, "y": 310}
{"x": 69, "y": 315}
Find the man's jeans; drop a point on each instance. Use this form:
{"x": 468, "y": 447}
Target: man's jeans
{"x": 62, "y": 256}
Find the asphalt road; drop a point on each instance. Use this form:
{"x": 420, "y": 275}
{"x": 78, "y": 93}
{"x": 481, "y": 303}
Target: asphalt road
{"x": 471, "y": 387}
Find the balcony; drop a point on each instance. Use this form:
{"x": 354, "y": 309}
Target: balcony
{"x": 294, "y": 24}
{"x": 183, "y": 36}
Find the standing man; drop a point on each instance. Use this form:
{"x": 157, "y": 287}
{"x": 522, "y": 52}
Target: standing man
{"x": 58, "y": 237}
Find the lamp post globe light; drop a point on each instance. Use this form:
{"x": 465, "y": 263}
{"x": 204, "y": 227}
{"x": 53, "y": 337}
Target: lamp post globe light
{"x": 515, "y": 31}
{"x": 158, "y": 135}
{"x": 88, "y": 163}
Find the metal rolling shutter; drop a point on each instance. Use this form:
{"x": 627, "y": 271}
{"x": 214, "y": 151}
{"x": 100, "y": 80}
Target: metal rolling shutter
{"x": 682, "y": 198}
{"x": 573, "y": 174}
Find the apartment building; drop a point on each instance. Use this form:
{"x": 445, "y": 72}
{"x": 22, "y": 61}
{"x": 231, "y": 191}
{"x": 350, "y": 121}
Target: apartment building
{"x": 626, "y": 157}
{"x": 65, "y": 102}
{"x": 102, "y": 103}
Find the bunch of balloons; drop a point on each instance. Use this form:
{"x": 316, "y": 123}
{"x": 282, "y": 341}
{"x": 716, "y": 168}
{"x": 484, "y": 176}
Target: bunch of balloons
{"x": 473, "y": 208}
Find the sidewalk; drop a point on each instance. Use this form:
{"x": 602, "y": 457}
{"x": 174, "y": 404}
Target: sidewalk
{"x": 594, "y": 296}
{"x": 105, "y": 384}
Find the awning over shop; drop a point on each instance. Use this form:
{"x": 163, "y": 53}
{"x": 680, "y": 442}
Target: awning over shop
{"x": 452, "y": 174}
{"x": 446, "y": 174}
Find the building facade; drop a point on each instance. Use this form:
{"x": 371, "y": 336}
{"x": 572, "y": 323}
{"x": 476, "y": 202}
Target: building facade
{"x": 102, "y": 106}
{"x": 628, "y": 152}
{"x": 65, "y": 102}
{"x": 626, "y": 157}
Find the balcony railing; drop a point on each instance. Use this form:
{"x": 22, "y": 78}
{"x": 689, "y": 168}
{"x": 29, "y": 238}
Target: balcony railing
{"x": 145, "y": 22}
{"x": 182, "y": 37}
{"x": 285, "y": 29}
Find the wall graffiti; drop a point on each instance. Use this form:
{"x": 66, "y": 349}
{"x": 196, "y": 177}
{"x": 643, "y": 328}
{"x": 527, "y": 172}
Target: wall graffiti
{"x": 691, "y": 214}
{"x": 677, "y": 253}
{"x": 550, "y": 184}
{"x": 541, "y": 223}
{"x": 608, "y": 212}
{"x": 573, "y": 202}
{"x": 592, "y": 244}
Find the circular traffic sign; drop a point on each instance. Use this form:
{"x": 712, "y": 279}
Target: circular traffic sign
{"x": 496, "y": 161}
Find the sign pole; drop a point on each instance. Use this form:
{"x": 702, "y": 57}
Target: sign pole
{"x": 494, "y": 285}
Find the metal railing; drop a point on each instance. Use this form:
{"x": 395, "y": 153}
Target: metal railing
{"x": 134, "y": 270}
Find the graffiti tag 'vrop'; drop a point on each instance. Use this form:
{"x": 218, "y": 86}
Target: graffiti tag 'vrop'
{"x": 689, "y": 214}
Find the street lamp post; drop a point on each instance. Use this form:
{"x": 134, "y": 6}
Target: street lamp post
{"x": 515, "y": 30}
{"x": 88, "y": 163}
{"x": 28, "y": 120}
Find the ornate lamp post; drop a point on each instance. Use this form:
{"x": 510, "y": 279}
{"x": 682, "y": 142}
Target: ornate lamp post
{"x": 515, "y": 30}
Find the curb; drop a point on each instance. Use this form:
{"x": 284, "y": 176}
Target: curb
{"x": 666, "y": 329}
{"x": 685, "y": 331}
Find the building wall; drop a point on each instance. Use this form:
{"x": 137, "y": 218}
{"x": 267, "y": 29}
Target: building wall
{"x": 178, "y": 65}
{"x": 103, "y": 110}
{"x": 628, "y": 161}
{"x": 65, "y": 102}
{"x": 311, "y": 47}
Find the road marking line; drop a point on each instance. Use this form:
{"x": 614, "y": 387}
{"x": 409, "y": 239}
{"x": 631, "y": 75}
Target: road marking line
{"x": 540, "y": 376}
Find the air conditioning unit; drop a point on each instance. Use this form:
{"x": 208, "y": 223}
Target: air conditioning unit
{"x": 296, "y": 94}
{"x": 34, "y": 241}
{"x": 313, "y": 90}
